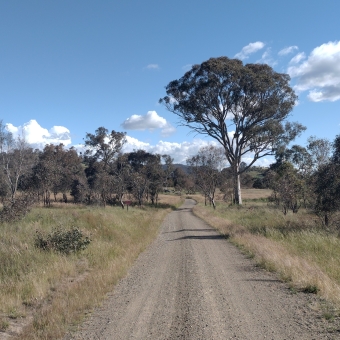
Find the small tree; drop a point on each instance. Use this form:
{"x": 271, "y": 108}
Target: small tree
{"x": 244, "y": 108}
{"x": 102, "y": 150}
{"x": 16, "y": 160}
{"x": 287, "y": 186}
{"x": 326, "y": 182}
{"x": 205, "y": 168}
{"x": 327, "y": 191}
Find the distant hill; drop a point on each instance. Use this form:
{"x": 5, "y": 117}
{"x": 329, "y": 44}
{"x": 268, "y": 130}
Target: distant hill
{"x": 184, "y": 167}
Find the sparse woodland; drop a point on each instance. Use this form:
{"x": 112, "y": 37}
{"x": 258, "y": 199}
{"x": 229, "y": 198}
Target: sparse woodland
{"x": 62, "y": 220}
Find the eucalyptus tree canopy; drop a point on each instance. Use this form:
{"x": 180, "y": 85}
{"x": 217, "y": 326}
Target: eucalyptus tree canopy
{"x": 243, "y": 107}
{"x": 104, "y": 145}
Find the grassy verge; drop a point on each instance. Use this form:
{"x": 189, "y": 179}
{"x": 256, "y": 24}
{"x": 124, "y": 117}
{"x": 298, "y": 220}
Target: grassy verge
{"x": 44, "y": 293}
{"x": 293, "y": 245}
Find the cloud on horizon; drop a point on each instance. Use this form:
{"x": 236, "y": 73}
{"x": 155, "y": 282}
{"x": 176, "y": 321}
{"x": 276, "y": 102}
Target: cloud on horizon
{"x": 38, "y": 136}
{"x": 319, "y": 74}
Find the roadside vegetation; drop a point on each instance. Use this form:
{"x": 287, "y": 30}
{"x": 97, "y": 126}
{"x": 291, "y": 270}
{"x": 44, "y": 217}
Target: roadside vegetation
{"x": 297, "y": 246}
{"x": 43, "y": 292}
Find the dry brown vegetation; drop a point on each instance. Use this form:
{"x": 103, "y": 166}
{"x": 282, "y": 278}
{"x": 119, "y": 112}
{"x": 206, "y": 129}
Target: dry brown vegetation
{"x": 43, "y": 293}
{"x": 294, "y": 245}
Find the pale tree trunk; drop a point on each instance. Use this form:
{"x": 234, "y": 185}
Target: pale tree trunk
{"x": 237, "y": 185}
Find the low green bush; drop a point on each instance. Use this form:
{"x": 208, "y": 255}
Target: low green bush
{"x": 62, "y": 240}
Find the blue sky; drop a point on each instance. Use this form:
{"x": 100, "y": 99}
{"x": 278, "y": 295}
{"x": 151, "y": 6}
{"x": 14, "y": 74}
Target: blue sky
{"x": 70, "y": 66}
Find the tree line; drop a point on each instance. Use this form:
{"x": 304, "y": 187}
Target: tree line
{"x": 307, "y": 177}
{"x": 245, "y": 108}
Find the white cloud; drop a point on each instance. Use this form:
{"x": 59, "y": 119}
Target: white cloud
{"x": 38, "y": 136}
{"x": 168, "y": 130}
{"x": 288, "y": 50}
{"x": 249, "y": 49}
{"x": 299, "y": 57}
{"x": 320, "y": 73}
{"x": 150, "y": 121}
{"x": 153, "y": 67}
{"x": 181, "y": 151}
{"x": 267, "y": 58}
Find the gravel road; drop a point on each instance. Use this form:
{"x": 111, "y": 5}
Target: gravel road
{"x": 193, "y": 284}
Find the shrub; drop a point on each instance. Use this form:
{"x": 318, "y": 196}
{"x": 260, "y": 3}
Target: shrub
{"x": 63, "y": 241}
{"x": 14, "y": 210}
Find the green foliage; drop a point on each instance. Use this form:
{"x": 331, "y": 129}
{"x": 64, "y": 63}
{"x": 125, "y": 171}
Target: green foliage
{"x": 327, "y": 191}
{"x": 288, "y": 186}
{"x": 63, "y": 241}
{"x": 243, "y": 107}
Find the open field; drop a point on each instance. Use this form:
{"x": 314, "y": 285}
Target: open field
{"x": 294, "y": 245}
{"x": 43, "y": 292}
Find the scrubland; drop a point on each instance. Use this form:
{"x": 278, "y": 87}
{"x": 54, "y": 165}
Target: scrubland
{"x": 294, "y": 245}
{"x": 42, "y": 292}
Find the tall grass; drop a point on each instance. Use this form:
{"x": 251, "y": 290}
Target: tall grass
{"x": 53, "y": 289}
{"x": 294, "y": 245}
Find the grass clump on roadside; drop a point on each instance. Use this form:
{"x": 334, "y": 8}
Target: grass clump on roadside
{"x": 55, "y": 288}
{"x": 294, "y": 245}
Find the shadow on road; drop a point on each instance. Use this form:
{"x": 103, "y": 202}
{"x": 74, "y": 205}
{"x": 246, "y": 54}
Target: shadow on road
{"x": 178, "y": 231}
{"x": 204, "y": 237}
{"x": 263, "y": 280}
{"x": 183, "y": 209}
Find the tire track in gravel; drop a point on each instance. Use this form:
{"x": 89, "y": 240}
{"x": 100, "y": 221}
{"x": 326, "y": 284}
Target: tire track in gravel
{"x": 193, "y": 284}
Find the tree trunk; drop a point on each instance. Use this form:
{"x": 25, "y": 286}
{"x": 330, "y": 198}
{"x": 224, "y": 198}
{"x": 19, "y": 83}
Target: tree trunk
{"x": 213, "y": 202}
{"x": 237, "y": 189}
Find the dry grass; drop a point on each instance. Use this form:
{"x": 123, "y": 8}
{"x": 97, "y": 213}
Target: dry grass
{"x": 46, "y": 291}
{"x": 255, "y": 193}
{"x": 293, "y": 245}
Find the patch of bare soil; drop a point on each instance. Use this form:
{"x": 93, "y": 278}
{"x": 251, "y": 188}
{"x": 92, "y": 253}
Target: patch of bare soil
{"x": 193, "y": 284}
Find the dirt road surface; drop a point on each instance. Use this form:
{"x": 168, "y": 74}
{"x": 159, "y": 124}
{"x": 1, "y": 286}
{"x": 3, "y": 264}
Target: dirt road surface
{"x": 193, "y": 284}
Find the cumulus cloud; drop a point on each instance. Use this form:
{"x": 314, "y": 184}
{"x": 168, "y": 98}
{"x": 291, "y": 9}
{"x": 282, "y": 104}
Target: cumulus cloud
{"x": 249, "y": 49}
{"x": 38, "y": 136}
{"x": 288, "y": 50}
{"x": 152, "y": 67}
{"x": 150, "y": 121}
{"x": 320, "y": 73}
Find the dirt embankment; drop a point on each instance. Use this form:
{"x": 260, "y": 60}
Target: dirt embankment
{"x": 193, "y": 284}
